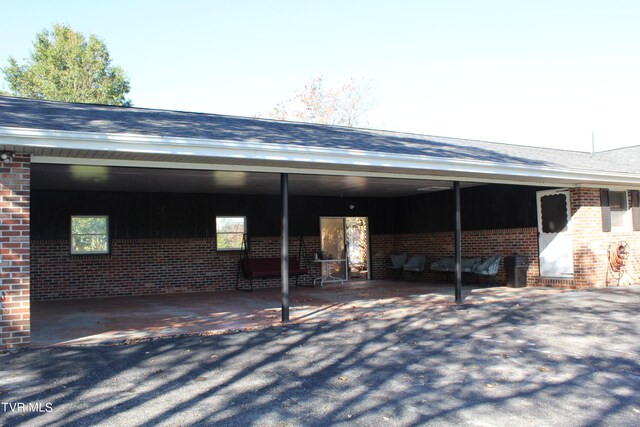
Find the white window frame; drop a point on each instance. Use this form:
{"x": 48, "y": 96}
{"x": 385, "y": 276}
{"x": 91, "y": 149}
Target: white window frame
{"x": 244, "y": 231}
{"x": 71, "y": 234}
{"x": 621, "y": 212}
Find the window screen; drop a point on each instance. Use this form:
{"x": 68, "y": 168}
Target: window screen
{"x": 618, "y": 205}
{"x": 554, "y": 213}
{"x": 618, "y": 200}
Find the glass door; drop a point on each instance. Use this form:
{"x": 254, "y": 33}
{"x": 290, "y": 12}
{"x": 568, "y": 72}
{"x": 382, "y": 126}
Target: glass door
{"x": 345, "y": 240}
{"x": 333, "y": 247}
{"x": 357, "y": 240}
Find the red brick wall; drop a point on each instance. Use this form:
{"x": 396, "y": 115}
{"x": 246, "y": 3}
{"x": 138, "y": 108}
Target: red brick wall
{"x": 590, "y": 243}
{"x": 150, "y": 266}
{"x": 480, "y": 243}
{"x": 155, "y": 266}
{"x": 381, "y": 248}
{"x": 14, "y": 253}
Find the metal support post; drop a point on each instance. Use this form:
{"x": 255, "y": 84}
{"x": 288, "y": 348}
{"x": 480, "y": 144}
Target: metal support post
{"x": 458, "y": 240}
{"x": 284, "y": 266}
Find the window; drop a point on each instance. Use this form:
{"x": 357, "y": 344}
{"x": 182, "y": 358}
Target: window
{"x": 229, "y": 232}
{"x": 618, "y": 206}
{"x": 615, "y": 208}
{"x": 89, "y": 235}
{"x": 553, "y": 213}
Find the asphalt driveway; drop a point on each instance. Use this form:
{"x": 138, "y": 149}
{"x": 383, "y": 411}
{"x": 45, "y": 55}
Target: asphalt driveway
{"x": 558, "y": 359}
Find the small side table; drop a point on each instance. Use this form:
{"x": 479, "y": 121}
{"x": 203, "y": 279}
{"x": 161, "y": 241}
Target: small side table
{"x": 326, "y": 265}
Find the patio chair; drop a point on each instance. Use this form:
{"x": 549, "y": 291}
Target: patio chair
{"x": 488, "y": 267}
{"x": 398, "y": 261}
{"x": 487, "y": 270}
{"x": 415, "y": 264}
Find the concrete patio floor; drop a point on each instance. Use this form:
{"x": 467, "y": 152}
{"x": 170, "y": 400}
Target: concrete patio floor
{"x": 112, "y": 320}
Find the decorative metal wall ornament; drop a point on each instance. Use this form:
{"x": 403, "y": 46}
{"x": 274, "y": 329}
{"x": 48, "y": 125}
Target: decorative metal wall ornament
{"x": 618, "y": 254}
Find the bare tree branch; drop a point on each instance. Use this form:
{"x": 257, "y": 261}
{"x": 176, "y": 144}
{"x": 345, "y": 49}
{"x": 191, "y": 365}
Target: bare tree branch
{"x": 345, "y": 105}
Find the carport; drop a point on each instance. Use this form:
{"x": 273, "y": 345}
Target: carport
{"x": 106, "y": 298}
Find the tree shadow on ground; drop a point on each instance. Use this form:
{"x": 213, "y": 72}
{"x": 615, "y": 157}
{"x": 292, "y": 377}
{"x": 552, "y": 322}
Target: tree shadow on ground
{"x": 568, "y": 359}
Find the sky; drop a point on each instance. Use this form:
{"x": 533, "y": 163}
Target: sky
{"x": 541, "y": 73}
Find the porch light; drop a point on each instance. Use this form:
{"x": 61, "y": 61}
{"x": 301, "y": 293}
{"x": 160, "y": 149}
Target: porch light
{"x": 7, "y": 156}
{"x": 90, "y": 173}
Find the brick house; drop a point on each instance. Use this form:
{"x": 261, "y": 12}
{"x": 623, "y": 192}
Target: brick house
{"x": 109, "y": 201}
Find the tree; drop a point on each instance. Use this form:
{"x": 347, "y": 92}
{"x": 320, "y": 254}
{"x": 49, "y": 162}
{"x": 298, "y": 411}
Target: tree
{"x": 64, "y": 66}
{"x": 345, "y": 105}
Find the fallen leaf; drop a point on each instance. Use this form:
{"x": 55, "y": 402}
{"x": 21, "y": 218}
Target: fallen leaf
{"x": 200, "y": 379}
{"x": 543, "y": 369}
{"x": 342, "y": 378}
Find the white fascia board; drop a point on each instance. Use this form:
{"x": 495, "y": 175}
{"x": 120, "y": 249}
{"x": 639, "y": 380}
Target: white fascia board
{"x": 298, "y": 155}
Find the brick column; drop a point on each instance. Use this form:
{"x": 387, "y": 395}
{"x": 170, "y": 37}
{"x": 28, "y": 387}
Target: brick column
{"x": 586, "y": 232}
{"x": 14, "y": 253}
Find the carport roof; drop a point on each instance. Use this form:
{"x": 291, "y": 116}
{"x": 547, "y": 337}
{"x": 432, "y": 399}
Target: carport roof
{"x": 47, "y": 128}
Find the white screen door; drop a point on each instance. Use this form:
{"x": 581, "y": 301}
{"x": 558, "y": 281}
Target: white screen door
{"x": 554, "y": 234}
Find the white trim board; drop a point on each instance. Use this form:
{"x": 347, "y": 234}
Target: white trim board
{"x": 305, "y": 159}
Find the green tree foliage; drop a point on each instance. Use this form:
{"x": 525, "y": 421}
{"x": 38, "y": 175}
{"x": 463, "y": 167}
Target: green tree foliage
{"x": 64, "y": 66}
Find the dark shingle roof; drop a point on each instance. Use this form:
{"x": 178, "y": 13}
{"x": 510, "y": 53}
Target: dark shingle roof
{"x": 60, "y": 116}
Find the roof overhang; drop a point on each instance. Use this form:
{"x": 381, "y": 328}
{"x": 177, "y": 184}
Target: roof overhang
{"x": 70, "y": 147}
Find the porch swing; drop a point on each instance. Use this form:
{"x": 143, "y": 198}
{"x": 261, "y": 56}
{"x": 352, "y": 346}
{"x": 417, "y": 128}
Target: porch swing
{"x": 258, "y": 268}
